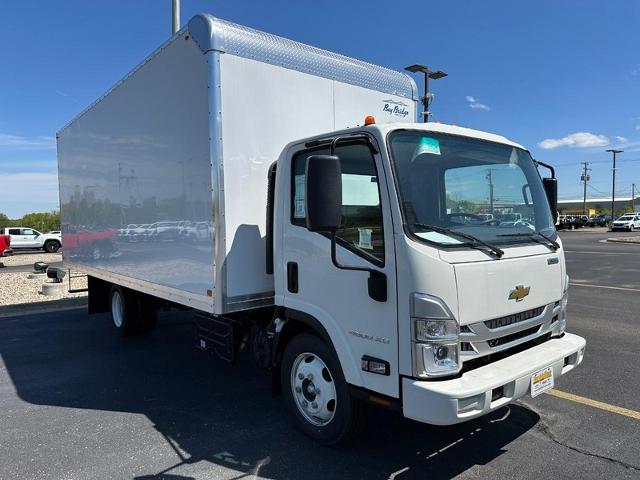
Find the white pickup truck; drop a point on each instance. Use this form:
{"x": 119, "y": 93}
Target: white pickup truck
{"x": 24, "y": 237}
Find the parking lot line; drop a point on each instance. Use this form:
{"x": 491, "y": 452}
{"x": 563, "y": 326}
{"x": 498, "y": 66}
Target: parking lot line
{"x": 627, "y": 289}
{"x": 594, "y": 403}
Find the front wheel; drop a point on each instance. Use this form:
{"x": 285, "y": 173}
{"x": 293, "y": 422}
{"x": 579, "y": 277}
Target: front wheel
{"x": 631, "y": 228}
{"x": 316, "y": 393}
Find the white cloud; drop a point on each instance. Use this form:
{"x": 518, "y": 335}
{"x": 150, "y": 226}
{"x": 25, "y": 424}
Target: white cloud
{"x": 621, "y": 139}
{"x": 28, "y": 192}
{"x": 15, "y": 142}
{"x": 578, "y": 139}
{"x": 474, "y": 103}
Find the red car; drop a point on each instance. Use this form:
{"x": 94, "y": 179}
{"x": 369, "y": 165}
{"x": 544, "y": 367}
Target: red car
{"x": 5, "y": 246}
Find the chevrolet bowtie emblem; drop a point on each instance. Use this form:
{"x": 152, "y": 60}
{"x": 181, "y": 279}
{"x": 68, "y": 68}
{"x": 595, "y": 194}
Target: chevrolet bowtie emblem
{"x": 519, "y": 293}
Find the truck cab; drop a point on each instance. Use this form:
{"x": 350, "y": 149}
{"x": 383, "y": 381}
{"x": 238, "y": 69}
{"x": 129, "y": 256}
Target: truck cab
{"x": 381, "y": 237}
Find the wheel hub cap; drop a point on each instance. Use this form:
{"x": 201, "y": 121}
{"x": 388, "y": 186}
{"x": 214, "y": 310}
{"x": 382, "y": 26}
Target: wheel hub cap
{"x": 313, "y": 389}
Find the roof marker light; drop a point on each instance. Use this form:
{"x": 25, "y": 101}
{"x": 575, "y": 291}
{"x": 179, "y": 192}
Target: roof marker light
{"x": 369, "y": 120}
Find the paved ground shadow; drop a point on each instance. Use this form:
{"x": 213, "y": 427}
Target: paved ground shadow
{"x": 209, "y": 411}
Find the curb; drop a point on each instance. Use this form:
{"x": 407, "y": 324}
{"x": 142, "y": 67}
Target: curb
{"x": 33, "y": 308}
{"x": 627, "y": 240}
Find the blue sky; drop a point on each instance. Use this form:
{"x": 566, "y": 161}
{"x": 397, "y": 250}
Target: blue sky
{"x": 560, "y": 77}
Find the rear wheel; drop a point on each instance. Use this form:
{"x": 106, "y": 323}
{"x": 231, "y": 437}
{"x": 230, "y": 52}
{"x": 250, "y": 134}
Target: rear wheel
{"x": 316, "y": 393}
{"x": 51, "y": 246}
{"x": 131, "y": 312}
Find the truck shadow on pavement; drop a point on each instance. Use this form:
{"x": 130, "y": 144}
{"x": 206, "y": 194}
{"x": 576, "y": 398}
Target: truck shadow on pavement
{"x": 216, "y": 417}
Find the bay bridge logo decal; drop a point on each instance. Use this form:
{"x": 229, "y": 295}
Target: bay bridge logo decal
{"x": 393, "y": 107}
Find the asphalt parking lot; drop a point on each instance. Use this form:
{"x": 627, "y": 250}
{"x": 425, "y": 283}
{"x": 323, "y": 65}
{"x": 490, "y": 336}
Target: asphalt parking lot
{"x": 77, "y": 402}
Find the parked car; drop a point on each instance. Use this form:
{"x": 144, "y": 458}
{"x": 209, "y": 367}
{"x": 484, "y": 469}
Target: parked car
{"x": 5, "y": 246}
{"x": 626, "y": 222}
{"x": 568, "y": 222}
{"x": 24, "y": 237}
{"x": 600, "y": 220}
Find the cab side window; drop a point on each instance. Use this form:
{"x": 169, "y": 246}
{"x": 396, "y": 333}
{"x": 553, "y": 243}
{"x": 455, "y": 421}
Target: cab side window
{"x": 361, "y": 230}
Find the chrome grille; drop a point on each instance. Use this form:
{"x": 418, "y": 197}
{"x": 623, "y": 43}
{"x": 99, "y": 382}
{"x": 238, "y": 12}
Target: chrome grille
{"x": 466, "y": 347}
{"x": 515, "y": 318}
{"x": 488, "y": 337}
{"x": 496, "y": 342}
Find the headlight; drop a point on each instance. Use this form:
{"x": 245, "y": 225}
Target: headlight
{"x": 562, "y": 316}
{"x": 435, "y": 337}
{"x": 428, "y": 329}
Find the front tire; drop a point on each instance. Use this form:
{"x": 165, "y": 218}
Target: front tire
{"x": 316, "y": 393}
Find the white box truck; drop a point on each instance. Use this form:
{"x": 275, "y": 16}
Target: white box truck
{"x": 360, "y": 261}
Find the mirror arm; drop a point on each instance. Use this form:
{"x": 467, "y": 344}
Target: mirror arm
{"x": 377, "y": 283}
{"x": 546, "y": 165}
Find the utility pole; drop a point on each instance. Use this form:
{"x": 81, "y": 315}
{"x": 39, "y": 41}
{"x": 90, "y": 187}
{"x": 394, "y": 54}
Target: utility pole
{"x": 175, "y": 24}
{"x": 613, "y": 183}
{"x": 428, "y": 74}
{"x": 633, "y": 197}
{"x": 585, "y": 178}
{"x": 490, "y": 179}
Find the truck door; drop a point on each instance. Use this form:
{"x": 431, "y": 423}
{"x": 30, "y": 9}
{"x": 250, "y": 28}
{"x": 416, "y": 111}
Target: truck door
{"x": 359, "y": 326}
{"x": 17, "y": 239}
{"x": 30, "y": 238}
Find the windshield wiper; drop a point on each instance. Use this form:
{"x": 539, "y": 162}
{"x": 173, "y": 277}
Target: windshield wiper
{"x": 553, "y": 245}
{"x": 497, "y": 251}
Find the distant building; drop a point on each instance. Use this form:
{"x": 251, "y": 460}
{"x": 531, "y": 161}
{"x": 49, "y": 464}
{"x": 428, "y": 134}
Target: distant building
{"x": 598, "y": 205}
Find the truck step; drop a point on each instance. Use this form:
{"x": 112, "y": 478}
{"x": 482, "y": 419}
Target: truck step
{"x": 217, "y": 335}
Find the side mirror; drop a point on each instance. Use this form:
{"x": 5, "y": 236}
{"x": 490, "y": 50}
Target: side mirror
{"x": 551, "y": 189}
{"x": 323, "y": 187}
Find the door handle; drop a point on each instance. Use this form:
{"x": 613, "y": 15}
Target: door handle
{"x": 292, "y": 277}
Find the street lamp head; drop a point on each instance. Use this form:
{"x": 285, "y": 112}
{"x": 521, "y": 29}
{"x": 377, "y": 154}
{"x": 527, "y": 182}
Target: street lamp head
{"x": 424, "y": 69}
{"x": 417, "y": 68}
{"x": 613, "y": 150}
{"x": 437, "y": 74}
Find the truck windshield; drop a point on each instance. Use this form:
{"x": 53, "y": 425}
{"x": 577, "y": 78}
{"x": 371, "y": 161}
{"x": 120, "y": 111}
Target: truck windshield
{"x": 483, "y": 189}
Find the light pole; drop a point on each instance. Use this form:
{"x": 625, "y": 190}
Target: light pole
{"x": 175, "y": 20}
{"x": 613, "y": 183}
{"x": 428, "y": 74}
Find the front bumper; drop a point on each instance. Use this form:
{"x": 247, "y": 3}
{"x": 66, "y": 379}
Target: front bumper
{"x": 453, "y": 401}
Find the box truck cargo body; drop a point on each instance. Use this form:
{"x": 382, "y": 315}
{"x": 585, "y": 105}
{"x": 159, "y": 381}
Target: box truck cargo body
{"x": 188, "y": 137}
{"x": 287, "y": 196}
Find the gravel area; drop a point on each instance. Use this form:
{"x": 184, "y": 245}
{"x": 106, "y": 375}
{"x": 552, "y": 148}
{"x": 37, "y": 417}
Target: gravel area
{"x": 29, "y": 258}
{"x": 17, "y": 288}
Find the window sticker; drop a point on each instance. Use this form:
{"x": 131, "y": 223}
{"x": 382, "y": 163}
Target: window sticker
{"x": 299, "y": 197}
{"x": 364, "y": 240}
{"x": 439, "y": 238}
{"x": 427, "y": 145}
